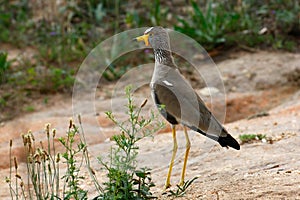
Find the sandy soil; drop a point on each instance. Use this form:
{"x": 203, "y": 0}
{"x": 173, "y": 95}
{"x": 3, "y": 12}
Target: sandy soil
{"x": 255, "y": 83}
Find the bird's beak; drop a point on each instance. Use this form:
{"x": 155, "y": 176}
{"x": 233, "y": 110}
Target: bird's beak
{"x": 144, "y": 38}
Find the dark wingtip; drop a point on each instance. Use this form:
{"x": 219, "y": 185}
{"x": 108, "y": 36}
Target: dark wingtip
{"x": 229, "y": 141}
{"x": 134, "y": 39}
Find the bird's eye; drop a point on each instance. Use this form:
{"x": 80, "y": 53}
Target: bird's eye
{"x": 150, "y": 34}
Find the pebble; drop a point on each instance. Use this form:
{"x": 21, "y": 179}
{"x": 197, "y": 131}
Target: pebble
{"x": 208, "y": 91}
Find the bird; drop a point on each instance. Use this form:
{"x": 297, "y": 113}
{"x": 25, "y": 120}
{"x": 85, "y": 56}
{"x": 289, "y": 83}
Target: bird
{"x": 178, "y": 102}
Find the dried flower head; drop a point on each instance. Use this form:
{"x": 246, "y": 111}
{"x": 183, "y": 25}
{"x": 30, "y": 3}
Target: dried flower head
{"x": 79, "y": 119}
{"x": 16, "y": 163}
{"x": 29, "y": 159}
{"x": 47, "y": 129}
{"x": 54, "y": 132}
{"x": 144, "y": 103}
{"x": 18, "y": 176}
{"x": 7, "y": 180}
{"x": 92, "y": 170}
{"x": 71, "y": 123}
{"x": 57, "y": 158}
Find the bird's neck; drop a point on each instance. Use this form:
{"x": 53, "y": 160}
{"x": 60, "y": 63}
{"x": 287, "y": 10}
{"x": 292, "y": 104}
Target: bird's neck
{"x": 164, "y": 57}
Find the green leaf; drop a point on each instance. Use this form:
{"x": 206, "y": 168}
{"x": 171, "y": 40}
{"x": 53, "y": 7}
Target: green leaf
{"x": 199, "y": 16}
{"x": 140, "y": 174}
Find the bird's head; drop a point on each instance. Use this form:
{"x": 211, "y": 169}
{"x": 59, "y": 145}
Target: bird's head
{"x": 156, "y": 37}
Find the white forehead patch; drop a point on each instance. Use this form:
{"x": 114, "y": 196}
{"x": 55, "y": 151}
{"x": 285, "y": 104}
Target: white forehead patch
{"x": 148, "y": 30}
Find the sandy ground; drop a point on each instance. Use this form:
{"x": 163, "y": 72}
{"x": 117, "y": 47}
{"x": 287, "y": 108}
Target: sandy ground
{"x": 254, "y": 83}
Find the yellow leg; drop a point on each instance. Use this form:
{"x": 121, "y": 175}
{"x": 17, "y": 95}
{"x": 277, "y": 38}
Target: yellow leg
{"x": 167, "y": 185}
{"x": 187, "y": 150}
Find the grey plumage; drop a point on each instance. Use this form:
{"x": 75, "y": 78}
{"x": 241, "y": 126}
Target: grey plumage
{"x": 178, "y": 98}
{"x": 178, "y": 102}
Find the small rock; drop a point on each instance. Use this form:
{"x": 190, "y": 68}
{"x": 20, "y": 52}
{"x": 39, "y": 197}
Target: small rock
{"x": 233, "y": 89}
{"x": 169, "y": 16}
{"x": 199, "y": 57}
{"x": 244, "y": 71}
{"x": 246, "y": 31}
{"x": 208, "y": 91}
{"x": 263, "y": 31}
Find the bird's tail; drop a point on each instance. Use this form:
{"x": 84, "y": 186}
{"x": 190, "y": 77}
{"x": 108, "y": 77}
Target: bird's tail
{"x": 227, "y": 141}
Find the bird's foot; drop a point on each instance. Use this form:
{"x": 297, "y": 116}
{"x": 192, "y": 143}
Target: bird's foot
{"x": 167, "y": 186}
{"x": 181, "y": 183}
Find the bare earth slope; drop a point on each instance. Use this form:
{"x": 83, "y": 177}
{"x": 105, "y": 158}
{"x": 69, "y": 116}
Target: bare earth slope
{"x": 260, "y": 82}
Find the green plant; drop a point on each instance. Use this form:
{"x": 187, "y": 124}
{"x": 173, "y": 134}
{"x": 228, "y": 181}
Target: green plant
{"x": 71, "y": 178}
{"x": 126, "y": 181}
{"x": 207, "y": 28}
{"x": 239, "y": 24}
{"x": 119, "y": 67}
{"x": 113, "y": 73}
{"x": 44, "y": 177}
{"x": 181, "y": 190}
{"x": 278, "y": 17}
{"x": 133, "y": 19}
{"x": 2, "y": 102}
{"x": 4, "y": 65}
{"x": 13, "y": 20}
{"x": 60, "y": 78}
{"x": 248, "y": 138}
{"x": 42, "y": 169}
{"x": 42, "y": 79}
{"x": 155, "y": 13}
{"x": 29, "y": 108}
{"x": 4, "y": 23}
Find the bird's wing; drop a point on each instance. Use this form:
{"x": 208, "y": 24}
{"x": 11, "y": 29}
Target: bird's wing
{"x": 182, "y": 103}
